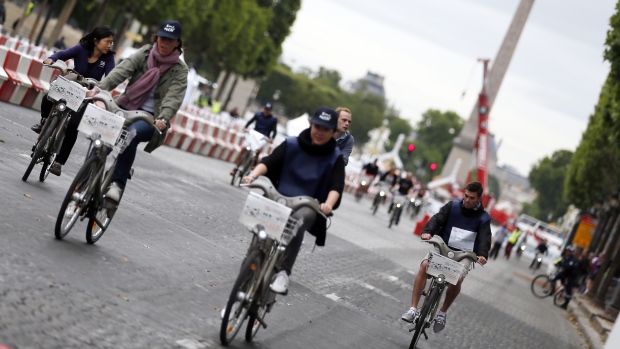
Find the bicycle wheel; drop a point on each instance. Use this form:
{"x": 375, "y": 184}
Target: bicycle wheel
{"x": 392, "y": 219}
{"x": 253, "y": 324}
{"x": 94, "y": 231}
{"x": 424, "y": 318}
{"x": 40, "y": 147}
{"x": 560, "y": 297}
{"x": 375, "y": 205}
{"x": 237, "y": 307}
{"x": 77, "y": 198}
{"x": 542, "y": 286}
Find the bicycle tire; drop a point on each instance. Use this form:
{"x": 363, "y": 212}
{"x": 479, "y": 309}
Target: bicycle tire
{"x": 375, "y": 206}
{"x": 82, "y": 183}
{"x": 559, "y": 298}
{"x": 247, "y": 274}
{"x": 541, "y": 286}
{"x": 422, "y": 319}
{"x": 45, "y": 170}
{"x": 38, "y": 150}
{"x": 391, "y": 220}
{"x": 244, "y": 171}
{"x": 253, "y": 324}
{"x": 93, "y": 230}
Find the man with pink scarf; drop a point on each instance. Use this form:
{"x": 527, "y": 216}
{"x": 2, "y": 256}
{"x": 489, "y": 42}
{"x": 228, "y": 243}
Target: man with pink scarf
{"x": 157, "y": 84}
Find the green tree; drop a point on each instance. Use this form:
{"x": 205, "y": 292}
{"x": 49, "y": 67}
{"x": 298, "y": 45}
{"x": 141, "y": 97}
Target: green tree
{"x": 434, "y": 135}
{"x": 595, "y": 167}
{"x": 548, "y": 177}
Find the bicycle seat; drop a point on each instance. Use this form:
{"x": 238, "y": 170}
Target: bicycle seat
{"x": 444, "y": 250}
{"x": 295, "y": 202}
{"x": 130, "y": 116}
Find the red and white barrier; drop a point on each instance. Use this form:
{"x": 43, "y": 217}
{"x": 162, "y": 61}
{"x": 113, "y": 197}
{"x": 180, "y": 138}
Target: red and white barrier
{"x": 38, "y": 87}
{"x": 22, "y": 70}
{"x": 11, "y": 62}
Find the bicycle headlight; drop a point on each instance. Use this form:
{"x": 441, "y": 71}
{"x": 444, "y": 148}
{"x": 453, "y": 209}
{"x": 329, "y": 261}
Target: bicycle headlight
{"x": 248, "y": 148}
{"x": 262, "y": 235}
{"x": 98, "y": 143}
{"x": 412, "y": 200}
{"x": 381, "y": 193}
{"x": 398, "y": 205}
{"x": 363, "y": 182}
{"x": 61, "y": 106}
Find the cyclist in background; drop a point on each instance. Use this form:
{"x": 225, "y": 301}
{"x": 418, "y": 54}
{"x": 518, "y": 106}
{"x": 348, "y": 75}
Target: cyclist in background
{"x": 92, "y": 58}
{"x": 266, "y": 123}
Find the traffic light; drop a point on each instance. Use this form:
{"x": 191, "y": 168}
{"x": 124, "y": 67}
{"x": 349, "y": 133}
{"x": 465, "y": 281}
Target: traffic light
{"x": 433, "y": 166}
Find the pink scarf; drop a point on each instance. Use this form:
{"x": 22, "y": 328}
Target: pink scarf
{"x": 138, "y": 92}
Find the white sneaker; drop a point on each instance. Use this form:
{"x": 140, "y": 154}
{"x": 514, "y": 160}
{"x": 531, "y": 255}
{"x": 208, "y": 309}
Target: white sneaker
{"x": 410, "y": 315}
{"x": 280, "y": 285}
{"x": 114, "y": 193}
{"x": 440, "y": 322}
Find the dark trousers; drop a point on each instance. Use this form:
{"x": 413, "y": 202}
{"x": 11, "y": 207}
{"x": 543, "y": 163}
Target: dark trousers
{"x": 495, "y": 249}
{"x": 292, "y": 250}
{"x": 70, "y": 134}
{"x": 144, "y": 133}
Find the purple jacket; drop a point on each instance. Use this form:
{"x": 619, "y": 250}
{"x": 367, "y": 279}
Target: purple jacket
{"x": 79, "y": 54}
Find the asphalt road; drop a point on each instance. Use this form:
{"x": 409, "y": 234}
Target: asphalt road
{"x": 160, "y": 275}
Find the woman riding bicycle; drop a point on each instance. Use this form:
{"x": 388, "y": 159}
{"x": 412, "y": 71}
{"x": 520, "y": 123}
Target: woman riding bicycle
{"x": 309, "y": 165}
{"x": 93, "y": 58}
{"x": 157, "y": 84}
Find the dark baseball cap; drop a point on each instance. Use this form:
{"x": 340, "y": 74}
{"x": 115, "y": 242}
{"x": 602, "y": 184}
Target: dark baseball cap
{"x": 268, "y": 106}
{"x": 325, "y": 117}
{"x": 170, "y": 29}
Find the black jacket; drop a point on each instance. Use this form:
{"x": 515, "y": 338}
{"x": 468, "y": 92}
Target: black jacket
{"x": 439, "y": 220}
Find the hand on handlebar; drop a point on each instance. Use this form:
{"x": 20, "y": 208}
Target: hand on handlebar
{"x": 326, "y": 209}
{"x": 48, "y": 61}
{"x": 482, "y": 260}
{"x": 91, "y": 93}
{"x": 270, "y": 140}
{"x": 247, "y": 180}
{"x": 160, "y": 124}
{"x": 425, "y": 236}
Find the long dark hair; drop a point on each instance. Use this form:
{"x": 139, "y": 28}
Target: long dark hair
{"x": 88, "y": 41}
{"x": 180, "y": 47}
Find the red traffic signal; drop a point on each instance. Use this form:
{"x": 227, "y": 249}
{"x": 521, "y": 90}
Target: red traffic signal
{"x": 433, "y": 166}
{"x": 410, "y": 147}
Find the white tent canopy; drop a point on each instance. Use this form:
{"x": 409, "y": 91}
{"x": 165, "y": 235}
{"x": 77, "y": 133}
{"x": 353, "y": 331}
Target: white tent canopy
{"x": 295, "y": 126}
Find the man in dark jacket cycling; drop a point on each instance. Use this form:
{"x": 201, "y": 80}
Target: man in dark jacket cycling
{"x": 474, "y": 224}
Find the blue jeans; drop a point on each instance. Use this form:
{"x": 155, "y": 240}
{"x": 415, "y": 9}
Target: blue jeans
{"x": 144, "y": 133}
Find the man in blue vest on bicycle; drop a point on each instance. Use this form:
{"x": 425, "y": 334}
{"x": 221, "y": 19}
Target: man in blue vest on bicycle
{"x": 266, "y": 123}
{"x": 310, "y": 164}
{"x": 468, "y": 217}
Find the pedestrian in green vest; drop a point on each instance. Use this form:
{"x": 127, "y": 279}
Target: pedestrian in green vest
{"x": 512, "y": 240}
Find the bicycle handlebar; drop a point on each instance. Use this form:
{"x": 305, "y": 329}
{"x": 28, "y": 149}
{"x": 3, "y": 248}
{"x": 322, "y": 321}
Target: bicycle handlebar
{"x": 294, "y": 202}
{"x": 444, "y": 250}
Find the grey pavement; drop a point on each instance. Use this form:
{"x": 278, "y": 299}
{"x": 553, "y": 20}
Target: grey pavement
{"x": 160, "y": 275}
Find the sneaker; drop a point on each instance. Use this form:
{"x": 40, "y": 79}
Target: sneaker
{"x": 37, "y": 128}
{"x": 280, "y": 285}
{"x": 114, "y": 193}
{"x": 56, "y": 169}
{"x": 440, "y": 322}
{"x": 410, "y": 315}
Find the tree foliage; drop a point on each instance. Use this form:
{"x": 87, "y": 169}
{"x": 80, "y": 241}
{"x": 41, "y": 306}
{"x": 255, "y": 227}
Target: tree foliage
{"x": 305, "y": 91}
{"x": 595, "y": 167}
{"x": 241, "y": 36}
{"x": 434, "y": 135}
{"x": 548, "y": 177}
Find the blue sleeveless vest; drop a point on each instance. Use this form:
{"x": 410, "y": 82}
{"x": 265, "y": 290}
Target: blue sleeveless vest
{"x": 305, "y": 174}
{"x": 264, "y": 125}
{"x": 457, "y": 219}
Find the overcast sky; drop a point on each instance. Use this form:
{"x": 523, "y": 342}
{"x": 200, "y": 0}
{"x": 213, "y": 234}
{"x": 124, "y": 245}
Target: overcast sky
{"x": 427, "y": 50}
